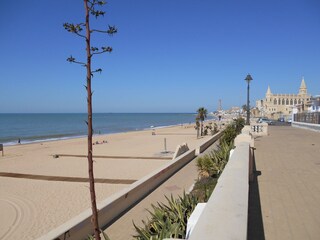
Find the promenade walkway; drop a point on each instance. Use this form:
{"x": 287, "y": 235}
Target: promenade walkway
{"x": 183, "y": 180}
{"x": 285, "y": 196}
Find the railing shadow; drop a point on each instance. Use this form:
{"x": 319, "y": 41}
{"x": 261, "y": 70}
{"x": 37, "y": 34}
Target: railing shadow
{"x": 255, "y": 221}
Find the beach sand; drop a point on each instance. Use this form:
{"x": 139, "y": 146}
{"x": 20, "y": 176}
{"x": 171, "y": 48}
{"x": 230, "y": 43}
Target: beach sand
{"x": 31, "y": 207}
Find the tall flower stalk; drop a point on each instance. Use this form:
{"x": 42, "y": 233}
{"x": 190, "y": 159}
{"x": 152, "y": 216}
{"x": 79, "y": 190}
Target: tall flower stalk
{"x": 90, "y": 7}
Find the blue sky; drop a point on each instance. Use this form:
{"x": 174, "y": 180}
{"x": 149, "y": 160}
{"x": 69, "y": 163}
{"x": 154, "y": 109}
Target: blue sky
{"x": 169, "y": 55}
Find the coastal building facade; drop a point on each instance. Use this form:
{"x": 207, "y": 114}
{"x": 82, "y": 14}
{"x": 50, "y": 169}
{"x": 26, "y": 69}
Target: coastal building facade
{"x": 275, "y": 106}
{"x": 314, "y": 104}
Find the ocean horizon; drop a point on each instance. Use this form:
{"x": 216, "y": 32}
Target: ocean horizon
{"x": 38, "y": 127}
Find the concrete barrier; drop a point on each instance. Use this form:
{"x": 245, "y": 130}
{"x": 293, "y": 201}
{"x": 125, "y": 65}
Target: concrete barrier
{"x": 308, "y": 126}
{"x": 207, "y": 143}
{"x": 225, "y": 215}
{"x": 115, "y": 206}
{"x": 245, "y": 136}
{"x": 181, "y": 149}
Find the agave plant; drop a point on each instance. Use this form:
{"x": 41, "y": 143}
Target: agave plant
{"x": 214, "y": 130}
{"x": 205, "y": 166}
{"x": 220, "y": 156}
{"x": 105, "y": 236}
{"x": 210, "y": 166}
{"x": 167, "y": 220}
{"x": 229, "y": 134}
{"x": 203, "y": 188}
{"x": 239, "y": 123}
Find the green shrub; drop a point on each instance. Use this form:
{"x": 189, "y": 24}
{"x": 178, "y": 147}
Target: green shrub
{"x": 220, "y": 156}
{"x": 210, "y": 166}
{"x": 203, "y": 188}
{"x": 232, "y": 130}
{"x": 105, "y": 236}
{"x": 205, "y": 166}
{"x": 168, "y": 220}
{"x": 229, "y": 134}
{"x": 215, "y": 129}
{"x": 239, "y": 123}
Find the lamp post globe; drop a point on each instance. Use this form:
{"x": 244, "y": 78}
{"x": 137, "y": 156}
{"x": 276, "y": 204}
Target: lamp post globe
{"x": 248, "y": 79}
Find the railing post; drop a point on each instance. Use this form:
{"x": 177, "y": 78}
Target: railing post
{"x": 251, "y": 154}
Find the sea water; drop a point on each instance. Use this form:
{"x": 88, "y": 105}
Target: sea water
{"x": 54, "y": 126}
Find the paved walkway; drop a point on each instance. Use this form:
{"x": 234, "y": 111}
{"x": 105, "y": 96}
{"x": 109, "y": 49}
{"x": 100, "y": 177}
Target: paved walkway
{"x": 183, "y": 180}
{"x": 285, "y": 198}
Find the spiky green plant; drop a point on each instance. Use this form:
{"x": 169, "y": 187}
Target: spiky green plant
{"x": 170, "y": 220}
{"x": 229, "y": 134}
{"x": 210, "y": 166}
{"x": 239, "y": 123}
{"x": 232, "y": 130}
{"x": 105, "y": 236}
{"x": 204, "y": 187}
{"x": 167, "y": 220}
{"x": 220, "y": 157}
{"x": 214, "y": 130}
{"x": 205, "y": 166}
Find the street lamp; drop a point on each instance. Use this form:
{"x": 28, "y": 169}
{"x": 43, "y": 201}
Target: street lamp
{"x": 248, "y": 79}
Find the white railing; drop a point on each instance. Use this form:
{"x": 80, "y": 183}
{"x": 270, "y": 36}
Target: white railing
{"x": 259, "y": 129}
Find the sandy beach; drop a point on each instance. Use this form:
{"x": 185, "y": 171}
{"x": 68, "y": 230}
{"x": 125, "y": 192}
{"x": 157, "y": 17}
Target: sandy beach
{"x": 39, "y": 192}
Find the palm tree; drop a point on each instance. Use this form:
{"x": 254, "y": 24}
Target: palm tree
{"x": 244, "y": 108}
{"x": 202, "y": 114}
{"x": 197, "y": 127}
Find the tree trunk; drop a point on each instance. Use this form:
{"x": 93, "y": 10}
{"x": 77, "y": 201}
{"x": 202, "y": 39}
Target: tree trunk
{"x": 90, "y": 132}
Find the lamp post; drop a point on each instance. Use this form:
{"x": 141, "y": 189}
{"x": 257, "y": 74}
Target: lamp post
{"x": 248, "y": 79}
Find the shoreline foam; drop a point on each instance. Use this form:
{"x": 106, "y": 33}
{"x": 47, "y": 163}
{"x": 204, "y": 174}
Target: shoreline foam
{"x": 27, "y": 141}
{"x": 11, "y": 140}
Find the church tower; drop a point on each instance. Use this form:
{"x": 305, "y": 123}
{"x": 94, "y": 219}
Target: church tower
{"x": 303, "y": 88}
{"x": 280, "y": 105}
{"x": 268, "y": 94}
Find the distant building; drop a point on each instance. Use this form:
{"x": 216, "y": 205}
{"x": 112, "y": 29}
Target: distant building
{"x": 234, "y": 110}
{"x": 313, "y": 105}
{"x": 281, "y": 105}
